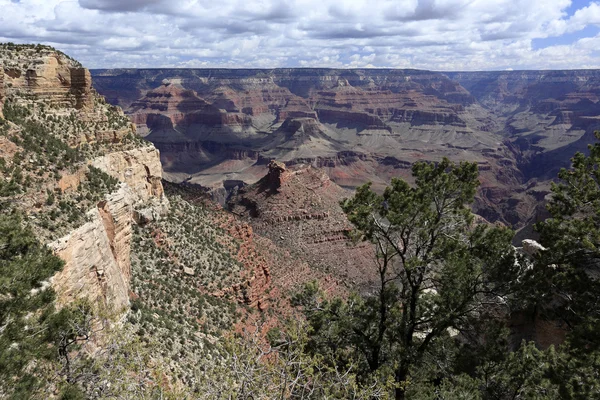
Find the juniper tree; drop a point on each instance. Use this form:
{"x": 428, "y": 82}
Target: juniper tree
{"x": 565, "y": 280}
{"x": 438, "y": 271}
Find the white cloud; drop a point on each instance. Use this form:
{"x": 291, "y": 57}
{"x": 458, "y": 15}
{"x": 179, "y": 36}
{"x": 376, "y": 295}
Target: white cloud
{"x": 430, "y": 34}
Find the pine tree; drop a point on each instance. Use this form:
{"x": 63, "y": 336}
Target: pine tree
{"x": 438, "y": 270}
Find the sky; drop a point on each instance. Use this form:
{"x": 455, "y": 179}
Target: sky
{"x": 441, "y": 35}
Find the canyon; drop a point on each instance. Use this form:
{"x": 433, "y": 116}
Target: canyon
{"x": 163, "y": 263}
{"x": 41, "y": 85}
{"x": 220, "y": 128}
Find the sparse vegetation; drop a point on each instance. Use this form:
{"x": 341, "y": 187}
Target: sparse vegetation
{"x": 23, "y": 55}
{"x": 182, "y": 312}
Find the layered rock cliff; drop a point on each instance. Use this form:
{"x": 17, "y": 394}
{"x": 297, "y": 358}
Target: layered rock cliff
{"x": 74, "y": 167}
{"x": 48, "y": 75}
{"x": 98, "y": 254}
{"x": 216, "y": 125}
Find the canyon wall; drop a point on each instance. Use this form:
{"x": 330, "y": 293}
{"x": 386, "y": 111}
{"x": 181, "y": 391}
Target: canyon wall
{"x": 217, "y": 125}
{"x": 52, "y": 78}
{"x": 53, "y": 104}
{"x": 97, "y": 254}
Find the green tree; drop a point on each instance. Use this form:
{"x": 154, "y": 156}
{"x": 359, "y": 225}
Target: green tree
{"x": 564, "y": 282}
{"x": 25, "y": 307}
{"x": 438, "y": 271}
{"x": 572, "y": 236}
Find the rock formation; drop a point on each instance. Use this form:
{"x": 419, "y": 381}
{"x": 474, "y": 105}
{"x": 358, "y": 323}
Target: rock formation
{"x": 81, "y": 87}
{"x": 52, "y": 78}
{"x": 57, "y": 93}
{"x": 276, "y": 175}
{"x": 365, "y": 125}
{"x": 297, "y": 209}
{"x": 97, "y": 255}
{"x": 139, "y": 168}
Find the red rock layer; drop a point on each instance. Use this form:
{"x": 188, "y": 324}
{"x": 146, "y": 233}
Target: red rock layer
{"x": 298, "y": 210}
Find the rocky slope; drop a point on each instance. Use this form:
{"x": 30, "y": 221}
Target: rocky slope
{"x": 97, "y": 254}
{"x": 216, "y": 126}
{"x": 297, "y": 208}
{"x": 73, "y": 165}
{"x": 87, "y": 182}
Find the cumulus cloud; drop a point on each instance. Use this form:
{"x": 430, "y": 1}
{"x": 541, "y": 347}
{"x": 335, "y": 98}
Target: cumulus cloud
{"x": 428, "y": 34}
{"x": 118, "y": 5}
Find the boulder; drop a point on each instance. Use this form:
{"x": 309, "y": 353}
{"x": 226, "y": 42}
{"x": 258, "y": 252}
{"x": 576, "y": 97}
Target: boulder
{"x": 189, "y": 271}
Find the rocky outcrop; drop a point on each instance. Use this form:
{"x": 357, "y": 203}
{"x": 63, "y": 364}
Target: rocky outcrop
{"x": 139, "y": 168}
{"x": 97, "y": 255}
{"x": 81, "y": 88}
{"x": 170, "y": 100}
{"x": 276, "y": 175}
{"x": 298, "y": 209}
{"x": 52, "y": 78}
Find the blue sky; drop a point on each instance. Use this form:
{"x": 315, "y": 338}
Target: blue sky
{"x": 572, "y": 37}
{"x": 427, "y": 34}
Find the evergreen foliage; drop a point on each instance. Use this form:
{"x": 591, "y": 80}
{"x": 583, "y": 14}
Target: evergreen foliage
{"x": 566, "y": 275}
{"x": 26, "y": 308}
{"x": 435, "y": 324}
{"x": 439, "y": 272}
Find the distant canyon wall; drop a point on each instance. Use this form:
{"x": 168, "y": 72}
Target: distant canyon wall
{"x": 219, "y": 125}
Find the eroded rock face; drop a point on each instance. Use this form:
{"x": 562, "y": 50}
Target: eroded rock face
{"x": 81, "y": 87}
{"x": 53, "y": 78}
{"x": 139, "y": 168}
{"x": 298, "y": 209}
{"x": 276, "y": 175}
{"x": 91, "y": 269}
{"x": 97, "y": 255}
{"x": 57, "y": 92}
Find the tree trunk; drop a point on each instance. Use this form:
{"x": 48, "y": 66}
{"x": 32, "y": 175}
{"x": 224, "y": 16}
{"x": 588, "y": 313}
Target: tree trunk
{"x": 401, "y": 376}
